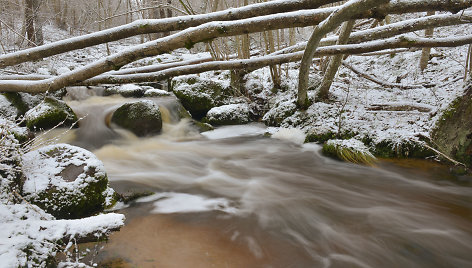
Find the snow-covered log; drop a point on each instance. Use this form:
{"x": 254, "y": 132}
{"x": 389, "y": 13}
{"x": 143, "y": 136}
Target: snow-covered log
{"x": 256, "y": 63}
{"x": 157, "y": 25}
{"x": 392, "y": 29}
{"x": 183, "y": 22}
{"x": 160, "y": 72}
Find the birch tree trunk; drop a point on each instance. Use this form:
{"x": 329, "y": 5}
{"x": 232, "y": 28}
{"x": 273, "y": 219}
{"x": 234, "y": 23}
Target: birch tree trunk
{"x": 334, "y": 62}
{"x": 29, "y": 21}
{"x": 426, "y": 51}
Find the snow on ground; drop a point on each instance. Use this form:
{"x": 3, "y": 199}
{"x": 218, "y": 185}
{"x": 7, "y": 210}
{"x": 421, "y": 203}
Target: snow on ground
{"x": 170, "y": 202}
{"x": 235, "y": 131}
{"x": 29, "y": 236}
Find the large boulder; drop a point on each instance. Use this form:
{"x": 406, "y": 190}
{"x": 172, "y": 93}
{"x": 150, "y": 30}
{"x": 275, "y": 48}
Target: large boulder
{"x": 453, "y": 131}
{"x": 199, "y": 95}
{"x": 143, "y": 118}
{"x": 230, "y": 114}
{"x": 66, "y": 181}
{"x": 50, "y": 113}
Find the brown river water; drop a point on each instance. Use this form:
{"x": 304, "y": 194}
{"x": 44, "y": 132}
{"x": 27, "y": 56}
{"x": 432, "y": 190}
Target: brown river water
{"x": 234, "y": 198}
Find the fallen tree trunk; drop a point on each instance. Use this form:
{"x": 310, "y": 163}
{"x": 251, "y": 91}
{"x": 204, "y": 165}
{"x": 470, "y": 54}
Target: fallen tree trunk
{"x": 183, "y": 22}
{"x": 256, "y": 63}
{"x": 392, "y": 29}
{"x": 155, "y": 26}
{"x": 165, "y": 71}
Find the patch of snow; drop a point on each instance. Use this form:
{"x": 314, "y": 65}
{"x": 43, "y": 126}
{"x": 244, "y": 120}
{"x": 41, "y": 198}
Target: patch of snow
{"x": 28, "y": 233}
{"x": 238, "y": 111}
{"x": 353, "y": 144}
{"x": 62, "y": 70}
{"x": 185, "y": 203}
{"x": 236, "y": 131}
{"x": 129, "y": 88}
{"x": 294, "y": 135}
{"x": 156, "y": 92}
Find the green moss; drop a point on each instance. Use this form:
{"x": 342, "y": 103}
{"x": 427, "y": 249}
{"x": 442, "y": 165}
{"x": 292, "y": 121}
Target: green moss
{"x": 328, "y": 135}
{"x": 450, "y": 111}
{"x": 405, "y": 149}
{"x": 63, "y": 204}
{"x": 57, "y": 113}
{"x": 15, "y": 99}
{"x": 189, "y": 44}
{"x": 348, "y": 154}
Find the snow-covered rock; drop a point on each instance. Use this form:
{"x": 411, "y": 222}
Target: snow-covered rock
{"x": 126, "y": 90}
{"x": 66, "y": 181}
{"x": 230, "y": 114}
{"x": 199, "y": 95}
{"x": 50, "y": 113}
{"x": 156, "y": 93}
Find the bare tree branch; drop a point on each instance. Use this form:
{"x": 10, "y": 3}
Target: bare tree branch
{"x": 157, "y": 25}
{"x": 392, "y": 29}
{"x": 178, "y": 23}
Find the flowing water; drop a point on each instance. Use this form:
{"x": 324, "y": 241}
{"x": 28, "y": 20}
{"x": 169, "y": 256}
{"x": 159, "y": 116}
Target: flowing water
{"x": 234, "y": 198}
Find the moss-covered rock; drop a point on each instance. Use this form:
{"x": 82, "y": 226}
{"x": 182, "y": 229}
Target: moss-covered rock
{"x": 127, "y": 91}
{"x": 50, "y": 113}
{"x": 231, "y": 114}
{"x": 453, "y": 131}
{"x": 351, "y": 150}
{"x": 402, "y": 149}
{"x": 66, "y": 181}
{"x": 143, "y": 118}
{"x": 198, "y": 96}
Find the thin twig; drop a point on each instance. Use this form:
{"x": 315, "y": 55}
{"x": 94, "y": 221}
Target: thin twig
{"x": 457, "y": 163}
{"x": 20, "y": 35}
{"x": 376, "y": 80}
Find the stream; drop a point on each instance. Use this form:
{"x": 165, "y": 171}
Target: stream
{"x": 235, "y": 198}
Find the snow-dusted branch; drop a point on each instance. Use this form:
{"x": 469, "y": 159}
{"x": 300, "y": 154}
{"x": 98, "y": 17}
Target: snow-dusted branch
{"x": 375, "y": 79}
{"x": 157, "y": 25}
{"x": 392, "y": 29}
{"x": 256, "y": 63}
